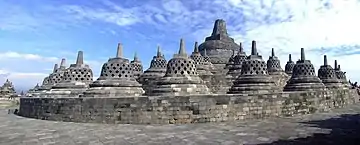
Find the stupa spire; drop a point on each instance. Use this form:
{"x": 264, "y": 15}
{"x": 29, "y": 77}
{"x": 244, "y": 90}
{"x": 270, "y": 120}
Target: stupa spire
{"x": 80, "y": 58}
{"x": 302, "y": 55}
{"x": 219, "y": 27}
{"x": 62, "y": 63}
{"x": 253, "y": 48}
{"x": 182, "y": 50}
{"x": 135, "y": 56}
{"x": 241, "y": 49}
{"x": 196, "y": 47}
{"x": 290, "y": 58}
{"x": 335, "y": 64}
{"x": 158, "y": 53}
{"x": 325, "y": 60}
{"x": 55, "y": 67}
{"x": 272, "y": 52}
{"x": 119, "y": 52}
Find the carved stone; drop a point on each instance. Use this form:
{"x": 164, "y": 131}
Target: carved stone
{"x": 327, "y": 75}
{"x": 219, "y": 45}
{"x": 275, "y": 71}
{"x": 156, "y": 70}
{"x": 254, "y": 78}
{"x": 289, "y": 66}
{"x": 303, "y": 77}
{"x": 136, "y": 66}
{"x": 116, "y": 79}
{"x": 341, "y": 75}
{"x": 181, "y": 77}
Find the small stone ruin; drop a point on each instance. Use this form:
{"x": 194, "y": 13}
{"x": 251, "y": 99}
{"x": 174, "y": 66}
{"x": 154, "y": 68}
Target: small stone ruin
{"x": 217, "y": 82}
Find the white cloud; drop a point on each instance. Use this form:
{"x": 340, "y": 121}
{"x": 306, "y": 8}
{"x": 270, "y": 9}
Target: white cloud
{"x": 26, "y": 56}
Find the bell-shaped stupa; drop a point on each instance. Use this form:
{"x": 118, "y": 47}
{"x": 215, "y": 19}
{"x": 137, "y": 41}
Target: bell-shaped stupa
{"x": 156, "y": 70}
{"x": 116, "y": 79}
{"x": 303, "y": 76}
{"x": 254, "y": 78}
{"x": 181, "y": 77}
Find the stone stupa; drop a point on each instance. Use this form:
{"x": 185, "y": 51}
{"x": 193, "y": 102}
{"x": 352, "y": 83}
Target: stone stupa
{"x": 76, "y": 80}
{"x": 303, "y": 77}
{"x": 181, "y": 77}
{"x": 254, "y": 77}
{"x": 156, "y": 70}
{"x": 219, "y": 46}
{"x": 116, "y": 79}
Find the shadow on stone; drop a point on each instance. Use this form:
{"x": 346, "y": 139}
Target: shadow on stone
{"x": 345, "y": 130}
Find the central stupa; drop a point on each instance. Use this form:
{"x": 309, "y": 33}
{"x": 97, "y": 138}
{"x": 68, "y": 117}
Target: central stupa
{"x": 219, "y": 46}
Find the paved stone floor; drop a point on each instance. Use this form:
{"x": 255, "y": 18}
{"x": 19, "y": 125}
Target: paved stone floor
{"x": 341, "y": 126}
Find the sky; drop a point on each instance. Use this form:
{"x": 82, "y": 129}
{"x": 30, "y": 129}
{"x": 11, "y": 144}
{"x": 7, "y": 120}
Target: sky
{"x": 36, "y": 34}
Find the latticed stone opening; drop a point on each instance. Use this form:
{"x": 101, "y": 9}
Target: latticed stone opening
{"x": 57, "y": 77}
{"x": 198, "y": 59}
{"x": 253, "y": 67}
{"x": 46, "y": 81}
{"x": 158, "y": 63}
{"x": 181, "y": 67}
{"x": 289, "y": 67}
{"x": 305, "y": 69}
{"x": 78, "y": 74}
{"x": 326, "y": 72}
{"x": 137, "y": 67}
{"x": 239, "y": 59}
{"x": 271, "y": 63}
{"x": 340, "y": 75}
{"x": 117, "y": 70}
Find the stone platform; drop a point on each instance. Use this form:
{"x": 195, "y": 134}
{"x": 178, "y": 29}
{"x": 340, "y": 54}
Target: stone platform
{"x": 184, "y": 109}
{"x": 339, "y": 126}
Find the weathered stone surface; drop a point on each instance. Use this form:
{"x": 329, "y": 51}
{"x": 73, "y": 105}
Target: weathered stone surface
{"x": 219, "y": 45}
{"x": 303, "y": 77}
{"x": 184, "y": 109}
{"x": 7, "y": 90}
{"x": 277, "y": 74}
{"x": 327, "y": 75}
{"x": 254, "y": 78}
{"x": 341, "y": 75}
{"x": 181, "y": 77}
{"x": 117, "y": 79}
{"x": 76, "y": 80}
{"x": 156, "y": 70}
{"x": 136, "y": 66}
{"x": 235, "y": 68}
{"x": 289, "y": 66}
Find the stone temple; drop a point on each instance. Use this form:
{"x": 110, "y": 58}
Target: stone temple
{"x": 216, "y": 82}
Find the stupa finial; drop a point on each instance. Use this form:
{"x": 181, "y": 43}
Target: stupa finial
{"x": 119, "y": 52}
{"x": 219, "y": 27}
{"x": 253, "y": 48}
{"x": 55, "y": 67}
{"x": 80, "y": 58}
{"x": 290, "y": 58}
{"x": 62, "y": 63}
{"x": 302, "y": 55}
{"x": 182, "y": 50}
{"x": 196, "y": 47}
{"x": 272, "y": 52}
{"x": 325, "y": 60}
{"x": 158, "y": 53}
{"x": 335, "y": 64}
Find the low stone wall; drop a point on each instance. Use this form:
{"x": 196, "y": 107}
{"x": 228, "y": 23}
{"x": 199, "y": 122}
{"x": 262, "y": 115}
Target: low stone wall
{"x": 183, "y": 109}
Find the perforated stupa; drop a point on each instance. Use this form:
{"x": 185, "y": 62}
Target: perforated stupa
{"x": 116, "y": 79}
{"x": 327, "y": 75}
{"x": 289, "y": 66}
{"x": 181, "y": 77}
{"x": 341, "y": 75}
{"x": 239, "y": 58}
{"x": 136, "y": 66}
{"x": 303, "y": 77}
{"x": 156, "y": 70}
{"x": 254, "y": 78}
{"x": 75, "y": 81}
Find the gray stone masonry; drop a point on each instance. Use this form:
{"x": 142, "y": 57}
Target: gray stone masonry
{"x": 219, "y": 45}
{"x": 181, "y": 77}
{"x": 184, "y": 109}
{"x": 254, "y": 77}
{"x": 76, "y": 80}
{"x": 303, "y": 77}
{"x": 156, "y": 70}
{"x": 117, "y": 79}
{"x": 328, "y": 76}
{"x": 275, "y": 71}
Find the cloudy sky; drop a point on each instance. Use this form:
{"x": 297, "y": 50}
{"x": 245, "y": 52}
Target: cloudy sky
{"x": 36, "y": 34}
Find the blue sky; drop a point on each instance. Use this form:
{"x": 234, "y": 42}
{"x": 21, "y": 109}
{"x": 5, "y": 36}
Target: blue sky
{"x": 36, "y": 34}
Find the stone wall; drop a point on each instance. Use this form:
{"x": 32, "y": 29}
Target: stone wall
{"x": 183, "y": 109}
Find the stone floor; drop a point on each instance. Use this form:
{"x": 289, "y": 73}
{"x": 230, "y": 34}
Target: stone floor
{"x": 341, "y": 127}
